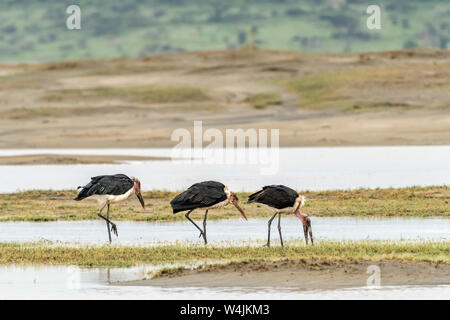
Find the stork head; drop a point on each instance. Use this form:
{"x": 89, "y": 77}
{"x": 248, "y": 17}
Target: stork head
{"x": 235, "y": 201}
{"x": 137, "y": 190}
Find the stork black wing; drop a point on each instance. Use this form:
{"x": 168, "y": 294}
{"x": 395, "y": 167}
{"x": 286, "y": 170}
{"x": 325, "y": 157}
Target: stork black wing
{"x": 113, "y": 185}
{"x": 276, "y": 196}
{"x": 199, "y": 195}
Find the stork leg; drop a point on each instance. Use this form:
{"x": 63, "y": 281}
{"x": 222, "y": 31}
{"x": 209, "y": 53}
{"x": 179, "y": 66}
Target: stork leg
{"x": 113, "y": 225}
{"x": 107, "y": 223}
{"x": 279, "y": 229}
{"x": 268, "y": 233}
{"x": 308, "y": 223}
{"x": 192, "y": 221}
{"x": 106, "y": 219}
{"x": 204, "y": 227}
{"x": 305, "y": 231}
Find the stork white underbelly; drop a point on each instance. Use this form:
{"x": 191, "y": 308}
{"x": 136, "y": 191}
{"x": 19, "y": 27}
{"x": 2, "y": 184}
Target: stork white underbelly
{"x": 288, "y": 210}
{"x": 109, "y": 198}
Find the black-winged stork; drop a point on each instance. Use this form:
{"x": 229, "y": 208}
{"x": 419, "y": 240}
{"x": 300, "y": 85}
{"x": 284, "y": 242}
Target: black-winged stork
{"x": 285, "y": 201}
{"x": 206, "y": 195}
{"x": 111, "y": 189}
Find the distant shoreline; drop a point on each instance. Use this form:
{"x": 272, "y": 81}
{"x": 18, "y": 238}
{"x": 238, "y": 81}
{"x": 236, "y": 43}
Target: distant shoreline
{"x": 61, "y": 159}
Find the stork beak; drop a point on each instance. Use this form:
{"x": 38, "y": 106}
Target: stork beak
{"x": 141, "y": 200}
{"x": 237, "y": 204}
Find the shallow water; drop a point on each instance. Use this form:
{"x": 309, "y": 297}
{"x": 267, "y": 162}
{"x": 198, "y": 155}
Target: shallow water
{"x": 229, "y": 232}
{"x": 100, "y": 283}
{"x": 321, "y": 168}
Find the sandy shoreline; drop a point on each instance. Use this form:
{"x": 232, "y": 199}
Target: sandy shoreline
{"x": 302, "y": 275}
{"x": 306, "y": 128}
{"x": 61, "y": 159}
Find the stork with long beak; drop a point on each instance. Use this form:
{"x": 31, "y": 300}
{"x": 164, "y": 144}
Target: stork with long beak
{"x": 111, "y": 189}
{"x": 283, "y": 200}
{"x": 205, "y": 195}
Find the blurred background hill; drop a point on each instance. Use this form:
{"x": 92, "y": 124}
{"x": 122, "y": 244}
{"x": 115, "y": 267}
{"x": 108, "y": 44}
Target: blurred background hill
{"x": 34, "y": 30}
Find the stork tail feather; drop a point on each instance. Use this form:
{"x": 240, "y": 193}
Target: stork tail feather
{"x": 254, "y": 197}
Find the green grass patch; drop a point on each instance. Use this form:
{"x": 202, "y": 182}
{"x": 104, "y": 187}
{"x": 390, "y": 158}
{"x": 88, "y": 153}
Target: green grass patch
{"x": 142, "y": 94}
{"x": 47, "y": 205}
{"x": 263, "y": 100}
{"x": 369, "y": 88}
{"x": 126, "y": 256}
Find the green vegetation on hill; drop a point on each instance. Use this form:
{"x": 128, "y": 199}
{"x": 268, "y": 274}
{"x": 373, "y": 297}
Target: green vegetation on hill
{"x": 35, "y": 31}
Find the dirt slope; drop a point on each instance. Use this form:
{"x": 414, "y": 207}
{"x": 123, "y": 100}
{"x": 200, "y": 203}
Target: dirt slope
{"x": 391, "y": 98}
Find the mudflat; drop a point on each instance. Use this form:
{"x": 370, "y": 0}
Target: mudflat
{"x": 302, "y": 274}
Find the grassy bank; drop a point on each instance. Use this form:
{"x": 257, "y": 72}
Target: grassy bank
{"x": 125, "y": 256}
{"x": 59, "y": 206}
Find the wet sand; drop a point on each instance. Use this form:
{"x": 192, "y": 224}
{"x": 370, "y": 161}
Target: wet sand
{"x": 52, "y": 159}
{"x": 301, "y": 275}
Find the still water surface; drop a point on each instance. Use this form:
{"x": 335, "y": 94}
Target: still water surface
{"x": 56, "y": 282}
{"x": 228, "y": 232}
{"x": 318, "y": 168}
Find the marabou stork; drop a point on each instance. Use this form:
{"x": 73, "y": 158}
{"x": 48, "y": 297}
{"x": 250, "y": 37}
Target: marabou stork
{"x": 285, "y": 201}
{"x": 207, "y": 195}
{"x": 111, "y": 189}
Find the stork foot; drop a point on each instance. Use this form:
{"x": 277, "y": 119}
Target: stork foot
{"x": 204, "y": 237}
{"x": 267, "y": 245}
{"x": 203, "y": 234}
{"x": 114, "y": 229}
